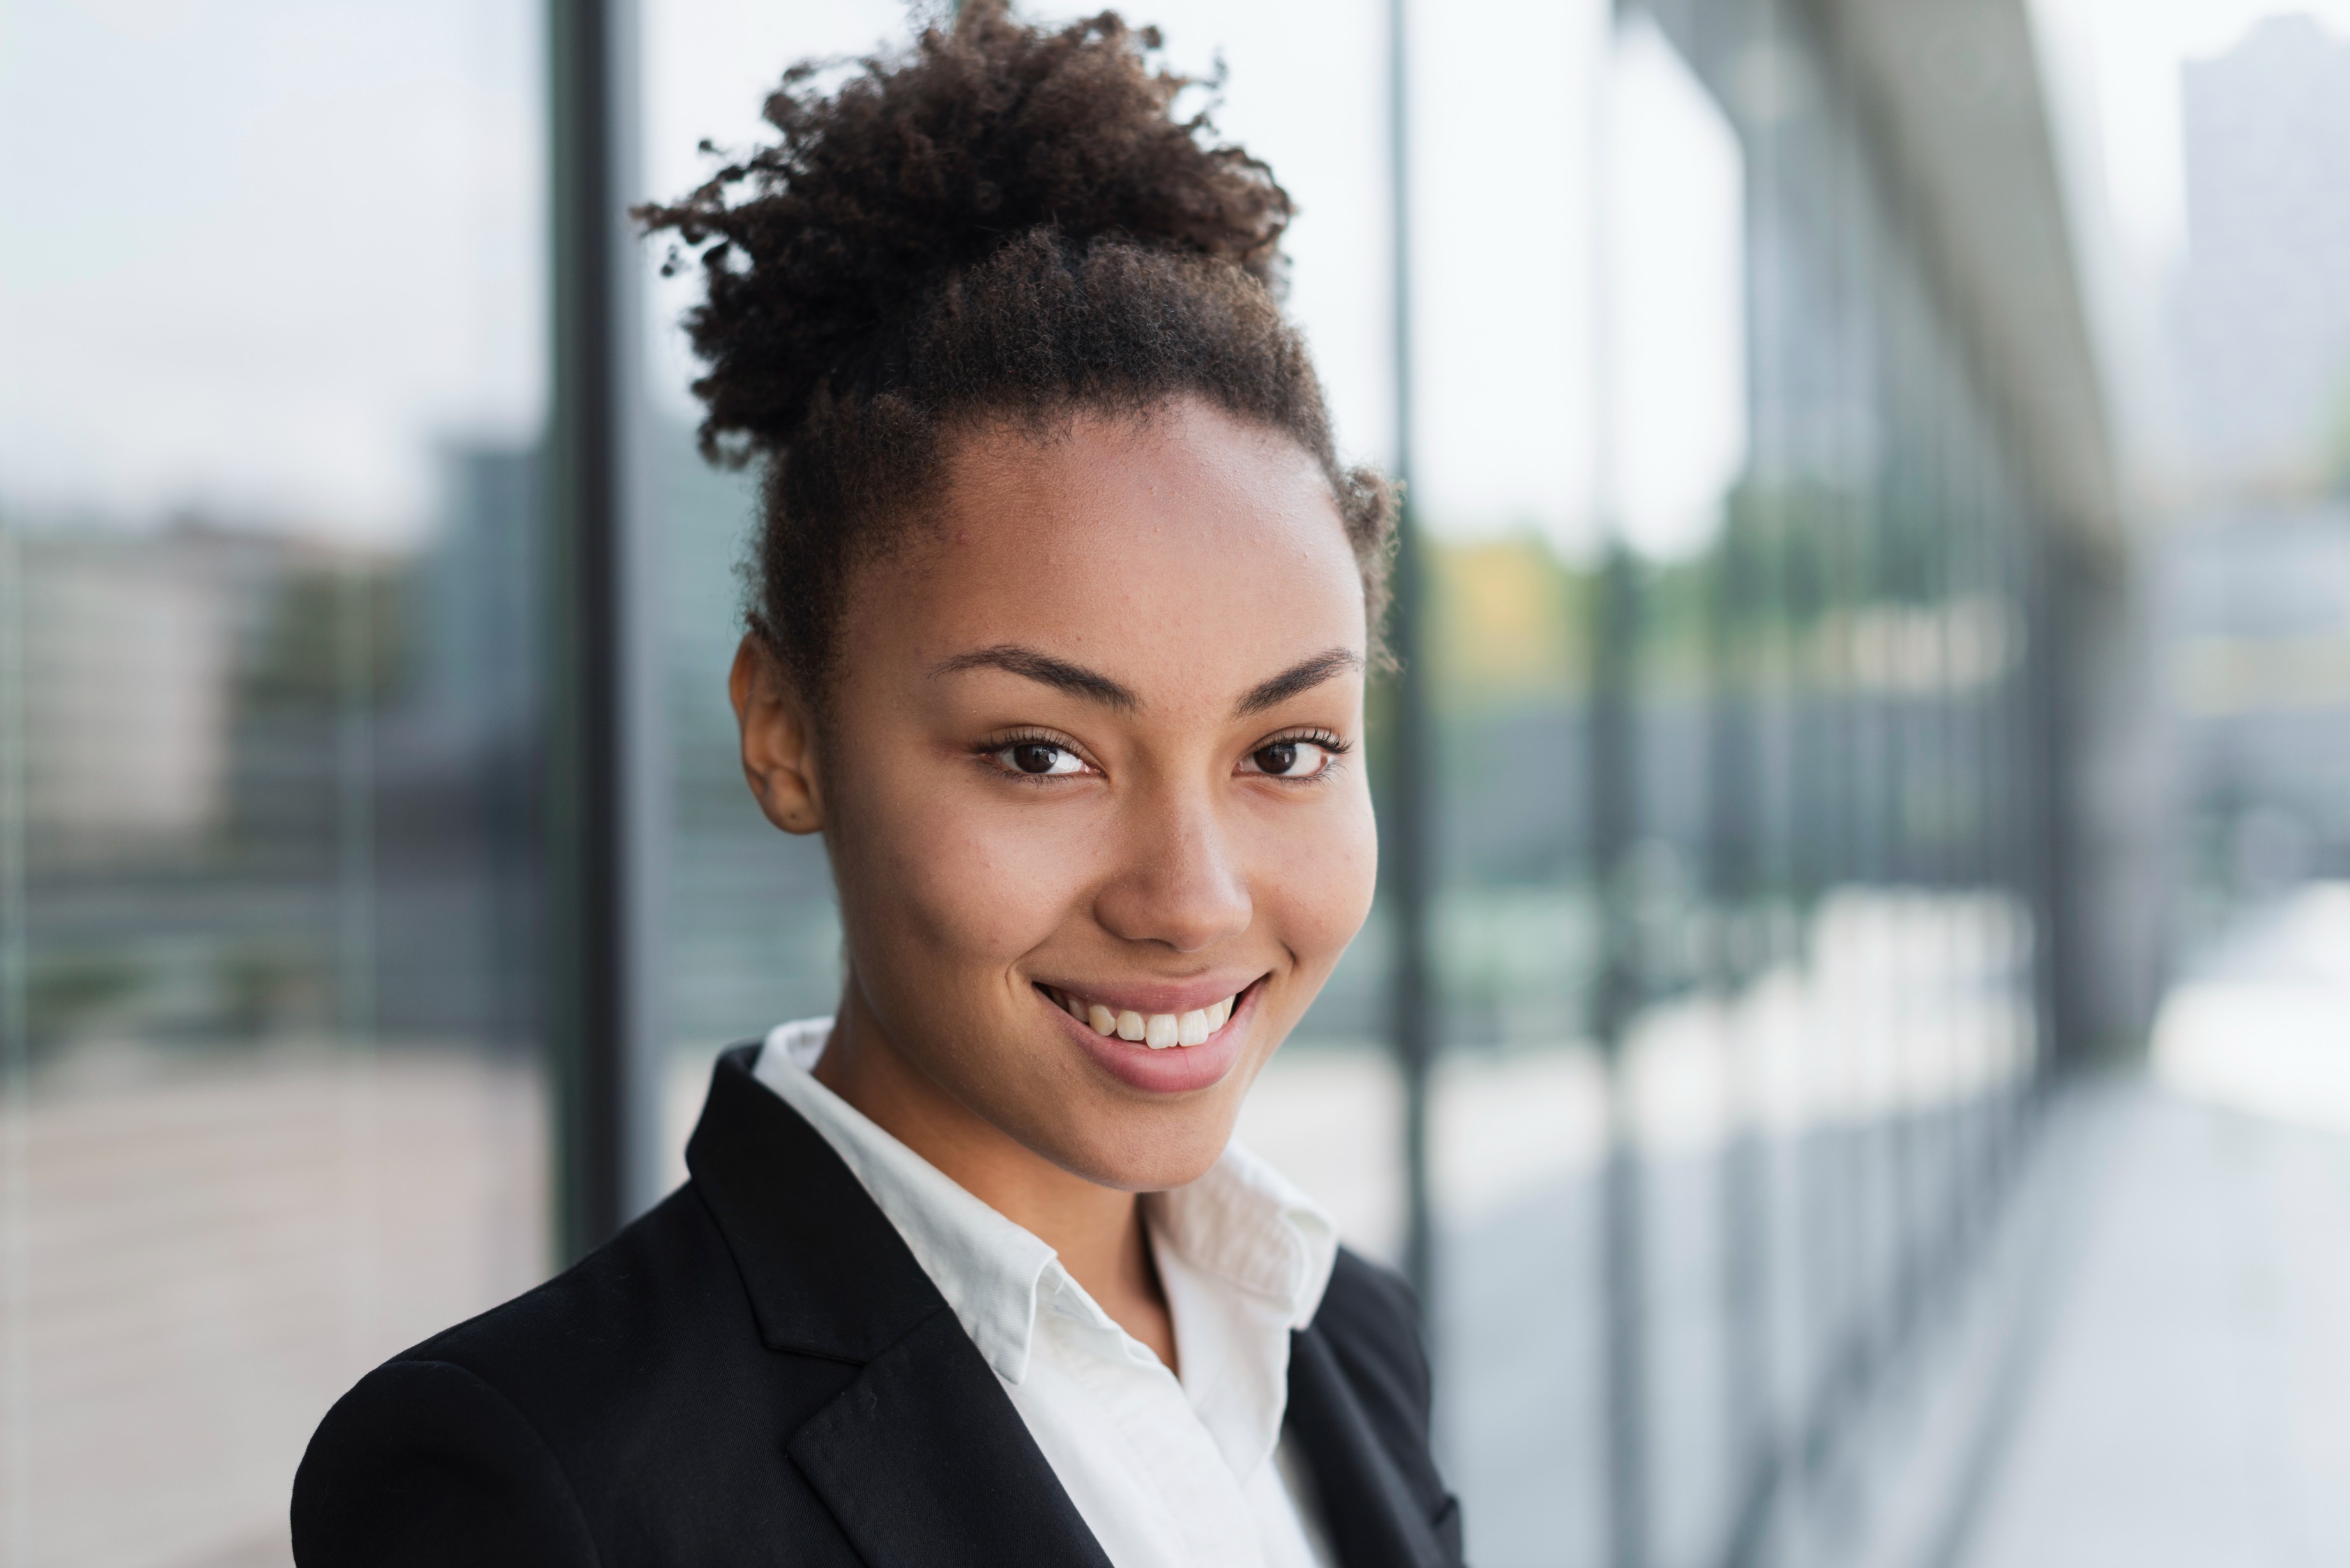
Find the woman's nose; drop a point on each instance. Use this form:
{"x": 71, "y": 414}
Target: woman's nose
{"x": 1180, "y": 883}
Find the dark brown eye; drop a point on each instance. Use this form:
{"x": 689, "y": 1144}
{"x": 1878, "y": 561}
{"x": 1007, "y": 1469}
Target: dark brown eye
{"x": 1278, "y": 759}
{"x": 1295, "y": 759}
{"x": 1038, "y": 759}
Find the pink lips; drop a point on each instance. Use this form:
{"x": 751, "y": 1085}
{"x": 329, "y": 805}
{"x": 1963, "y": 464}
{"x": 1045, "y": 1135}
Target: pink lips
{"x": 1177, "y": 1070}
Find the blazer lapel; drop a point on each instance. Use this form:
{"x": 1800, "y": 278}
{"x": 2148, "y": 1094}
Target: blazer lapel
{"x": 922, "y": 1458}
{"x": 1366, "y": 1507}
{"x": 827, "y": 1273}
{"x": 927, "y": 1465}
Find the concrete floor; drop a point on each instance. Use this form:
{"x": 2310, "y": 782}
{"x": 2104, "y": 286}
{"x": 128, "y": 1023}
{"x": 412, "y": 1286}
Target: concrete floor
{"x": 2190, "y": 1405}
{"x": 200, "y": 1252}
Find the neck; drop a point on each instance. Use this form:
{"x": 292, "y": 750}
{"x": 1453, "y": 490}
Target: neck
{"x": 1097, "y": 1230}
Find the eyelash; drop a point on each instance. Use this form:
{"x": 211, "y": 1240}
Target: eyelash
{"x": 1322, "y": 738}
{"x": 1330, "y": 744}
{"x": 990, "y": 749}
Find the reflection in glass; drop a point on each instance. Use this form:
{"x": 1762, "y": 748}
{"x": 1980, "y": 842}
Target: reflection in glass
{"x": 271, "y": 1106}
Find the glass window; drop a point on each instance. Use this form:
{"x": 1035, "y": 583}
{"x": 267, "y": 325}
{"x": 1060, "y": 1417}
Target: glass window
{"x": 270, "y": 302}
{"x": 753, "y": 937}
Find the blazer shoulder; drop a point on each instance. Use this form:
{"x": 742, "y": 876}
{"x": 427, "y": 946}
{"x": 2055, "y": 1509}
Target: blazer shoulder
{"x": 479, "y": 1434}
{"x": 665, "y": 1280}
{"x": 1370, "y": 1317}
{"x": 425, "y": 1462}
{"x": 650, "y": 1335}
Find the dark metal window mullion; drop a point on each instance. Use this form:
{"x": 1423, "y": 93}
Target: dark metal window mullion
{"x": 603, "y": 756}
{"x": 1407, "y": 858}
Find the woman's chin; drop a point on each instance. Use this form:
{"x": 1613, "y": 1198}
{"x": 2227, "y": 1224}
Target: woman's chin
{"x": 1174, "y": 1152}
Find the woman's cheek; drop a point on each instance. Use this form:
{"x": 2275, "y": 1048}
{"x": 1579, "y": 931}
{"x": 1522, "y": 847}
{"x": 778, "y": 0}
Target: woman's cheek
{"x": 982, "y": 883}
{"x": 1320, "y": 875}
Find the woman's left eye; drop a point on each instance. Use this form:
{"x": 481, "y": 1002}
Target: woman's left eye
{"x": 1039, "y": 759}
{"x": 1290, "y": 759}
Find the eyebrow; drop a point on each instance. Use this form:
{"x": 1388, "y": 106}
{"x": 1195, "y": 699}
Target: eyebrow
{"x": 1094, "y": 687}
{"x": 1303, "y": 676}
{"x": 1045, "y": 670}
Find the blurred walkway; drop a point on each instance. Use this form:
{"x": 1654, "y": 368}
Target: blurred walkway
{"x": 2191, "y": 1401}
{"x": 202, "y": 1250}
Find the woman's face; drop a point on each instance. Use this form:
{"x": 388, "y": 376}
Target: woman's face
{"x": 1092, "y": 782}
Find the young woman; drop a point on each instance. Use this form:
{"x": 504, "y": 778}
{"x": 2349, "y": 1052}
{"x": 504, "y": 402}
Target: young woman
{"x": 1061, "y": 613}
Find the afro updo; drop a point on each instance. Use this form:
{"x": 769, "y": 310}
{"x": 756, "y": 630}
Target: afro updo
{"x": 1005, "y": 222}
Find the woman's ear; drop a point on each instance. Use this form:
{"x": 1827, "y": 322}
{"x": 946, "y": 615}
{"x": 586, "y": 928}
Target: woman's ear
{"x": 779, "y": 740}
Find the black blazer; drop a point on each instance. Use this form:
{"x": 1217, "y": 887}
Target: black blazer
{"x": 758, "y": 1372}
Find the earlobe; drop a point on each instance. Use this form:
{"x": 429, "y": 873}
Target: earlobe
{"x": 778, "y": 741}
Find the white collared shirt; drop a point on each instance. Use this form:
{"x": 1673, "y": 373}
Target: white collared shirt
{"x": 1167, "y": 1474}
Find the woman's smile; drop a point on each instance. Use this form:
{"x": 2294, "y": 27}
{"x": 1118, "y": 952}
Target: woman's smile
{"x": 1152, "y": 1036}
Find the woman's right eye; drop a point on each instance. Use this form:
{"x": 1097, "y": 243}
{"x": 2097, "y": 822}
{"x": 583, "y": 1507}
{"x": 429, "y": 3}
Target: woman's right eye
{"x": 1039, "y": 759}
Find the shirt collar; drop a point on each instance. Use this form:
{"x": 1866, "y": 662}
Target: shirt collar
{"x": 985, "y": 1266}
{"x": 1244, "y": 1254}
{"x": 1247, "y": 1225}
{"x": 1244, "y": 1258}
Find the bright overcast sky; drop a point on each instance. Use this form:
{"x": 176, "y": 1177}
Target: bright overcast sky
{"x": 2113, "y": 69}
{"x": 259, "y": 258}
{"x": 2118, "y": 61}
{"x": 260, "y": 255}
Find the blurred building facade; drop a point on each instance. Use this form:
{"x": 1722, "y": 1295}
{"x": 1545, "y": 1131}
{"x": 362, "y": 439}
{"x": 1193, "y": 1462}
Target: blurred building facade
{"x": 2252, "y": 597}
{"x": 272, "y": 1097}
{"x": 2264, "y": 315}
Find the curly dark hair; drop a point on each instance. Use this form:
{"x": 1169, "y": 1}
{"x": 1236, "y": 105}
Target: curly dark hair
{"x": 1006, "y": 221}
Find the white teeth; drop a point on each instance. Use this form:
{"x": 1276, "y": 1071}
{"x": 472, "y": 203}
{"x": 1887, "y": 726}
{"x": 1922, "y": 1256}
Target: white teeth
{"x": 1156, "y": 1030}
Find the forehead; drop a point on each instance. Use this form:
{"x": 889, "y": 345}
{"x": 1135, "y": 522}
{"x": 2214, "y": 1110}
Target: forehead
{"x": 1186, "y": 554}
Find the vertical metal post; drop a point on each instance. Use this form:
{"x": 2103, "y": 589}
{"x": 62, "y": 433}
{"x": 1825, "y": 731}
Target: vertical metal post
{"x": 2021, "y": 847}
{"x": 1851, "y": 562}
{"x": 356, "y": 677}
{"x": 1406, "y": 857}
{"x": 603, "y": 755}
{"x": 1905, "y": 507}
{"x": 1754, "y": 854}
{"x": 2047, "y": 659}
{"x": 1755, "y": 1206}
{"x": 1612, "y": 825}
{"x": 1976, "y": 579}
{"x": 1733, "y": 854}
{"x": 1977, "y": 582}
{"x": 16, "y": 1395}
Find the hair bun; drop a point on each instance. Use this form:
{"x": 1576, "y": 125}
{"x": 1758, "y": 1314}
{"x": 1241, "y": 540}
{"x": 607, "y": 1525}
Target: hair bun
{"x": 915, "y": 169}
